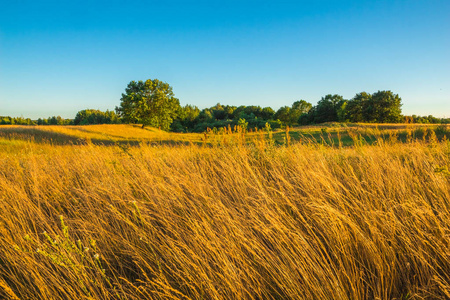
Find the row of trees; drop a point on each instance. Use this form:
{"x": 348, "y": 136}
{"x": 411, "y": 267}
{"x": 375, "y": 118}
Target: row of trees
{"x": 83, "y": 117}
{"x": 94, "y": 116}
{"x": 379, "y": 107}
{"x": 55, "y": 120}
{"x": 153, "y": 103}
{"x": 191, "y": 118}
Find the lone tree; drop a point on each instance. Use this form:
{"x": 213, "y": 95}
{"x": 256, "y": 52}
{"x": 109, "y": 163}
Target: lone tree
{"x": 150, "y": 103}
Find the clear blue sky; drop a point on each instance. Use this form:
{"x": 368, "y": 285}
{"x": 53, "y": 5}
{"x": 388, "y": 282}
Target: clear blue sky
{"x": 59, "y": 57}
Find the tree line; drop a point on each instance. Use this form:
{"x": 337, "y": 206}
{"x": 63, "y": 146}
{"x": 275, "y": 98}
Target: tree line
{"x": 153, "y": 103}
{"x": 83, "y": 117}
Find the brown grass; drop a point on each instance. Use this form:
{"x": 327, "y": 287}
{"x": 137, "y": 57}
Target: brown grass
{"x": 226, "y": 222}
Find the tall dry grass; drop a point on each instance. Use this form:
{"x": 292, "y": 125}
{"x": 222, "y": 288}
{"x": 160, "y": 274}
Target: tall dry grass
{"x": 227, "y": 222}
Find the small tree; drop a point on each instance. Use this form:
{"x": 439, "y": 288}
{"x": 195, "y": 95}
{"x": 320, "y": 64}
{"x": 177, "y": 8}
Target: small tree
{"x": 150, "y": 103}
{"x": 243, "y": 123}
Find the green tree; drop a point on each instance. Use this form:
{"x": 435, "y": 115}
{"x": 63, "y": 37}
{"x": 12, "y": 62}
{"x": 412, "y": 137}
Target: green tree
{"x": 302, "y": 106}
{"x": 283, "y": 114}
{"x": 219, "y": 112}
{"x": 298, "y": 109}
{"x": 327, "y": 108}
{"x": 150, "y": 103}
{"x": 186, "y": 120}
{"x": 53, "y": 120}
{"x": 190, "y": 113}
{"x": 267, "y": 113}
{"x": 291, "y": 115}
{"x": 384, "y": 107}
{"x": 357, "y": 108}
{"x": 243, "y": 123}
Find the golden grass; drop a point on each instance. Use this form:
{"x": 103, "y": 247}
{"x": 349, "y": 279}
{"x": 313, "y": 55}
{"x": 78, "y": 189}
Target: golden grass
{"x": 225, "y": 222}
{"x": 102, "y": 134}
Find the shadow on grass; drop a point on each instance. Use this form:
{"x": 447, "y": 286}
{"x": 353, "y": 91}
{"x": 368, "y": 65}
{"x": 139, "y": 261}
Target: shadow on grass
{"x": 34, "y": 134}
{"x": 37, "y": 135}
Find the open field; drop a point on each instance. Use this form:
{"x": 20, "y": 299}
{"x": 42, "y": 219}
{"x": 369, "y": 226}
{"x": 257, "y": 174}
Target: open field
{"x": 331, "y": 134}
{"x": 347, "y": 213}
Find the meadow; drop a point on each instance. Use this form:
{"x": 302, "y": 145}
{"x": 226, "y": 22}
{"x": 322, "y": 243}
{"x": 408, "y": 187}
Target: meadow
{"x": 120, "y": 212}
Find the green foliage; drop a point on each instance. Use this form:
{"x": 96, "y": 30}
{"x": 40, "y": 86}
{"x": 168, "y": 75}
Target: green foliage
{"x": 16, "y": 121}
{"x": 243, "y": 123}
{"x": 149, "y": 103}
{"x": 93, "y": 116}
{"x": 220, "y": 116}
{"x": 64, "y": 252}
{"x": 341, "y": 111}
{"x": 283, "y": 114}
{"x": 327, "y": 109}
{"x": 426, "y": 120}
{"x": 153, "y": 103}
{"x": 384, "y": 107}
{"x": 301, "y": 107}
{"x": 291, "y": 115}
{"x": 55, "y": 120}
{"x": 186, "y": 119}
{"x": 380, "y": 107}
{"x": 356, "y": 110}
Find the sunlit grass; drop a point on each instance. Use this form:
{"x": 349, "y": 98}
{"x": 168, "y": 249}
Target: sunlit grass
{"x": 231, "y": 219}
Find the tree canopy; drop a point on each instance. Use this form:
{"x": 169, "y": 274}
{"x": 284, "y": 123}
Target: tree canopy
{"x": 150, "y": 103}
{"x": 356, "y": 110}
{"x": 379, "y": 107}
{"x": 328, "y": 108}
{"x": 291, "y": 115}
{"x": 384, "y": 107}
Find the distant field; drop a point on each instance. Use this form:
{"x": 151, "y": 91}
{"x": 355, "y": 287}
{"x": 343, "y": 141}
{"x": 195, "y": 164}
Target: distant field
{"x": 119, "y": 212}
{"x": 333, "y": 133}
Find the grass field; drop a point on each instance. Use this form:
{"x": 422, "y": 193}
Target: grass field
{"x": 331, "y": 134}
{"x": 120, "y": 212}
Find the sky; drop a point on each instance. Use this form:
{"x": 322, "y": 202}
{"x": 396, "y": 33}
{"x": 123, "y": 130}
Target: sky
{"x": 59, "y": 57}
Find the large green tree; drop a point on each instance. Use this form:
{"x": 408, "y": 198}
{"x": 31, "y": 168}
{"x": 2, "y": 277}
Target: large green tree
{"x": 150, "y": 103}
